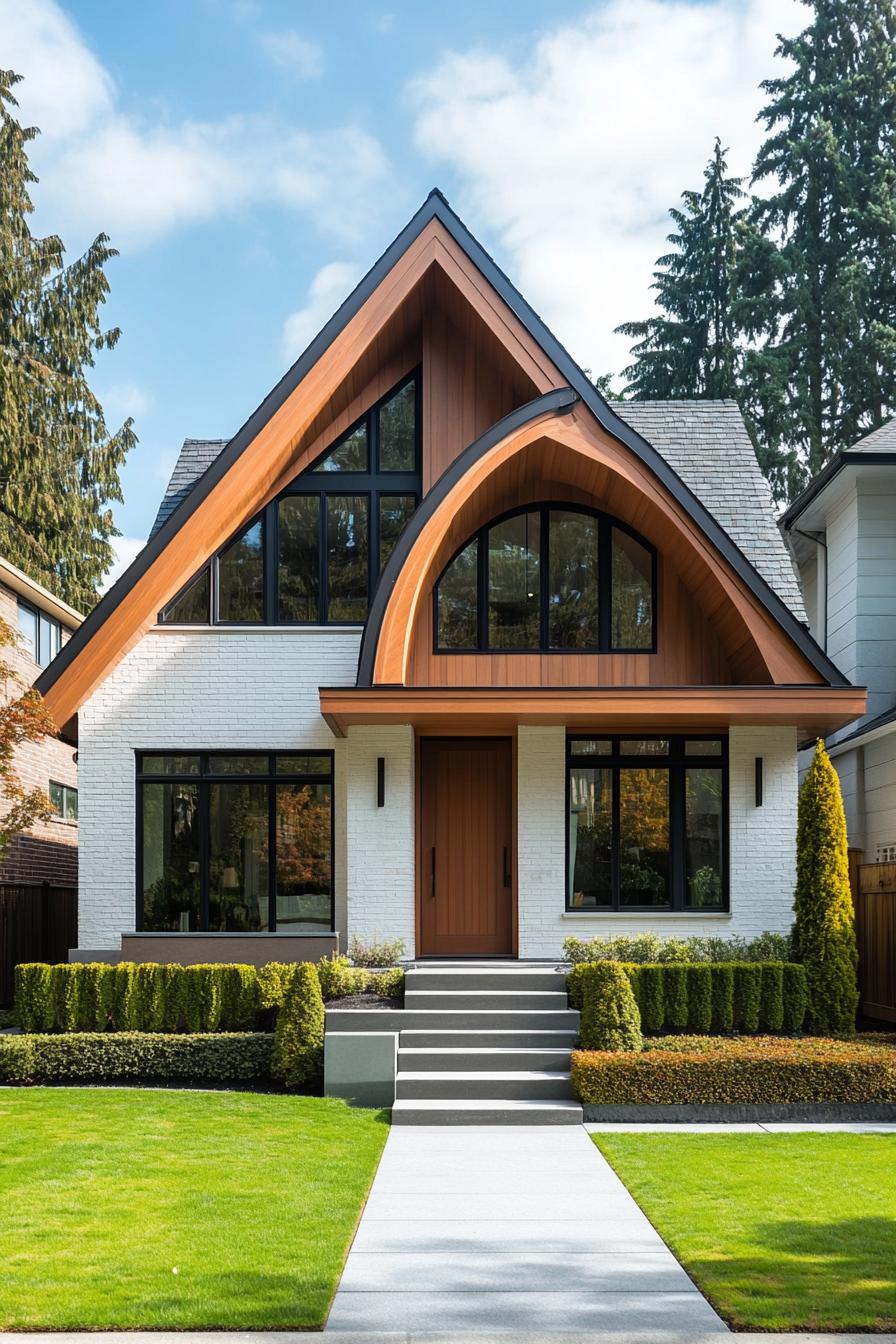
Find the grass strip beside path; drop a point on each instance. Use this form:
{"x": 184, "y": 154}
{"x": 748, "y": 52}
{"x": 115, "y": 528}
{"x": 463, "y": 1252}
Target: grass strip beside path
{"x": 779, "y": 1231}
{"x": 139, "y": 1208}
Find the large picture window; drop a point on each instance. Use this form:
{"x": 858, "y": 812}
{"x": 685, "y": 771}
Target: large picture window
{"x": 235, "y": 842}
{"x": 647, "y": 823}
{"x": 551, "y": 578}
{"x": 313, "y": 556}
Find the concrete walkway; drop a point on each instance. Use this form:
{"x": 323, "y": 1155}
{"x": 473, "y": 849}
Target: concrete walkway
{"x": 480, "y": 1230}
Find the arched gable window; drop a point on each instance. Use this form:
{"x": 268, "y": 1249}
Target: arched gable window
{"x": 313, "y": 555}
{"x": 550, "y": 578}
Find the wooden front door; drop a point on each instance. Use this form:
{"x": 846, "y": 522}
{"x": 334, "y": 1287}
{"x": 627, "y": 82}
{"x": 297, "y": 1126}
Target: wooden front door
{"x": 466, "y": 854}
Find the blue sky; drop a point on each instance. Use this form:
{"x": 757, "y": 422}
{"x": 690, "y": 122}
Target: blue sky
{"x": 251, "y": 158}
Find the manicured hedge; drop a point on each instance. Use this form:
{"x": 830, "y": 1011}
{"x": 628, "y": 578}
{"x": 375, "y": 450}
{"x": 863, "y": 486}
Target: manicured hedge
{"x": 745, "y": 996}
{"x": 610, "y": 1017}
{"x": 298, "y": 1056}
{"x": 763, "y": 1070}
{"x": 220, "y": 1057}
{"x": 650, "y": 949}
{"x": 93, "y": 996}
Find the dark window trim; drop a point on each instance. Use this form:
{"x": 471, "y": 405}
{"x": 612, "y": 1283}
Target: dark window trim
{"x": 205, "y": 777}
{"x": 40, "y": 655}
{"x": 606, "y": 523}
{"x": 66, "y": 790}
{"x": 677, "y": 763}
{"x": 311, "y": 482}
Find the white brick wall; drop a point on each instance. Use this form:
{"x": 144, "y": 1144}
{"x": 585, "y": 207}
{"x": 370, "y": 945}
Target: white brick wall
{"x": 762, "y": 851}
{"x": 381, "y": 853}
{"x": 197, "y": 690}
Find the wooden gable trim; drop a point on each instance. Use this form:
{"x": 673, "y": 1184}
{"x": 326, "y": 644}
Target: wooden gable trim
{"x": 414, "y": 566}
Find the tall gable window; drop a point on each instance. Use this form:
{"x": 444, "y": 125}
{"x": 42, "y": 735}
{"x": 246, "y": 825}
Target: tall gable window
{"x": 550, "y": 578}
{"x": 313, "y": 556}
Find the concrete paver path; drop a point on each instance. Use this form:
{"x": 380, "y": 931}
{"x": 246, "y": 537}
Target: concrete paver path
{"x": 491, "y": 1229}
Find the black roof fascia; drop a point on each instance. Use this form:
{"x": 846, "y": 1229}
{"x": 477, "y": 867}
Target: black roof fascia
{"x": 880, "y": 721}
{"x": 436, "y": 207}
{"x": 556, "y": 402}
{"x": 849, "y": 458}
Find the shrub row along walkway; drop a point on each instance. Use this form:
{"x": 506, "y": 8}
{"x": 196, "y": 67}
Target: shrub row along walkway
{"x": 492, "y": 1228}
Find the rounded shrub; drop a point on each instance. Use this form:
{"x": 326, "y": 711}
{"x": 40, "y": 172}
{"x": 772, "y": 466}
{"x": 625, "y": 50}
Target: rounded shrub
{"x": 610, "y": 1018}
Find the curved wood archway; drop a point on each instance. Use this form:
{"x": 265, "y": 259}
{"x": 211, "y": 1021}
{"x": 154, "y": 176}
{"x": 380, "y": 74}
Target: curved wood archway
{"x": 568, "y": 446}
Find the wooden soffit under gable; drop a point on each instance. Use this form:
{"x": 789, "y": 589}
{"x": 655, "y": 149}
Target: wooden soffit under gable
{"x": 433, "y": 281}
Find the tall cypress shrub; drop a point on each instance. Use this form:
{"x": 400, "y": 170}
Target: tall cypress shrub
{"x": 824, "y": 932}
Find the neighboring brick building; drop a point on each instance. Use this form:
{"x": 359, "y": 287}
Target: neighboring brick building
{"x": 48, "y": 852}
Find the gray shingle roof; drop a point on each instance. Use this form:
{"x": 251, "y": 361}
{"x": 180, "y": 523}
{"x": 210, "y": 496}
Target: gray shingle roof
{"x": 705, "y": 442}
{"x": 881, "y": 440}
{"x": 194, "y": 457}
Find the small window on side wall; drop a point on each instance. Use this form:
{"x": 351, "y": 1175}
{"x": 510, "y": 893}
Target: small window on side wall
{"x": 64, "y": 801}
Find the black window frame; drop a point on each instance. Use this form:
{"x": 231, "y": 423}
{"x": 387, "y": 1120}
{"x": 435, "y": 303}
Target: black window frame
{"x": 371, "y": 484}
{"x": 677, "y": 761}
{"x": 606, "y": 522}
{"x": 41, "y": 653}
{"x": 203, "y": 778}
{"x": 68, "y": 790}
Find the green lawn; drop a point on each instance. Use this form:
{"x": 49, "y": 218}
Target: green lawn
{"x": 142, "y": 1208}
{"x": 780, "y": 1231}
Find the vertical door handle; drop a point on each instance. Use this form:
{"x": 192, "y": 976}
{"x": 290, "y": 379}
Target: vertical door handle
{"x": 432, "y": 863}
{"x": 506, "y": 867}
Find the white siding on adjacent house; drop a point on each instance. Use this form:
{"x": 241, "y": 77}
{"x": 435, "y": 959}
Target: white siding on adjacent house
{"x": 880, "y": 794}
{"x": 195, "y": 690}
{"x": 843, "y": 543}
{"x": 762, "y": 845}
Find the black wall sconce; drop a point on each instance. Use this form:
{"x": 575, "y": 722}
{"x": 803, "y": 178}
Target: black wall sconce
{"x": 758, "y": 781}
{"x": 381, "y": 781}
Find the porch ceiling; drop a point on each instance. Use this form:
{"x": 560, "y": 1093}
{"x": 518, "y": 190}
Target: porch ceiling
{"x": 814, "y": 710}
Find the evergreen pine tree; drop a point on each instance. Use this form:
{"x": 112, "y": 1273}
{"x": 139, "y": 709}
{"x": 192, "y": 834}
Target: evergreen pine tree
{"x": 824, "y": 932}
{"x": 690, "y": 349}
{"x": 58, "y": 463}
{"x": 824, "y": 372}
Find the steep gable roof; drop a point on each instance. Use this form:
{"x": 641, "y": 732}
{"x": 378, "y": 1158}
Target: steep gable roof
{"x": 881, "y": 440}
{"x": 194, "y": 457}
{"x": 434, "y": 236}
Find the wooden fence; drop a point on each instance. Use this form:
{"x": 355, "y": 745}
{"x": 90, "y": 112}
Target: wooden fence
{"x": 875, "y": 902}
{"x": 38, "y": 922}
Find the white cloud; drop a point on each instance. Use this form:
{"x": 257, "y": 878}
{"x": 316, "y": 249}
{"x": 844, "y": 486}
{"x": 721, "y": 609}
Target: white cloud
{"x": 290, "y": 51}
{"x": 104, "y": 169}
{"x": 120, "y": 400}
{"x": 572, "y": 155}
{"x": 126, "y": 550}
{"x": 332, "y": 283}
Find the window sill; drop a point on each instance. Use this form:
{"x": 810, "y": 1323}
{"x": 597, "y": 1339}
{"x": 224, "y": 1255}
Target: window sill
{"x": 356, "y": 629}
{"x": 646, "y": 914}
{"x": 175, "y": 933}
{"x": 64, "y": 821}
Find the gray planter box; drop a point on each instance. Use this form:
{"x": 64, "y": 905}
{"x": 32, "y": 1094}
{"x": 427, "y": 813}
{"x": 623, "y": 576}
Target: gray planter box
{"x": 360, "y": 1066}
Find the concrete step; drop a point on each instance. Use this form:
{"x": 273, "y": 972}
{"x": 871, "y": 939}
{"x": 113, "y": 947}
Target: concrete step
{"x": 488, "y": 1040}
{"x": 486, "y": 977}
{"x": 467, "y": 1059}
{"x": 416, "y": 1019}
{"x": 523, "y": 1085}
{"x": 480, "y": 1000}
{"x": 486, "y": 1112}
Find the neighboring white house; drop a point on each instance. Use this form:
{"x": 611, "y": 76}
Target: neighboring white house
{"x": 443, "y": 646}
{"x": 842, "y": 534}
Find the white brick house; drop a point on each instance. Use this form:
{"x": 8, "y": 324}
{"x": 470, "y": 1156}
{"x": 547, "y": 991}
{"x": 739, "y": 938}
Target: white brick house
{"x": 441, "y": 646}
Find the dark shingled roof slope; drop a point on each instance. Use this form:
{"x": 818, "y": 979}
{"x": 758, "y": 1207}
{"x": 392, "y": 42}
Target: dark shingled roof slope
{"x": 706, "y": 444}
{"x": 881, "y": 440}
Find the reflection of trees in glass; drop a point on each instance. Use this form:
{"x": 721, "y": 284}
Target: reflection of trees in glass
{"x": 395, "y": 510}
{"x": 349, "y": 455}
{"x": 397, "y": 436}
{"x": 573, "y": 596}
{"x": 241, "y": 577}
{"x": 457, "y": 604}
{"x": 643, "y": 836}
{"x": 299, "y": 560}
{"x": 703, "y": 823}
{"x": 514, "y": 583}
{"x": 303, "y": 837}
{"x": 192, "y": 607}
{"x": 170, "y": 856}
{"x": 632, "y": 600}
{"x": 347, "y": 559}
